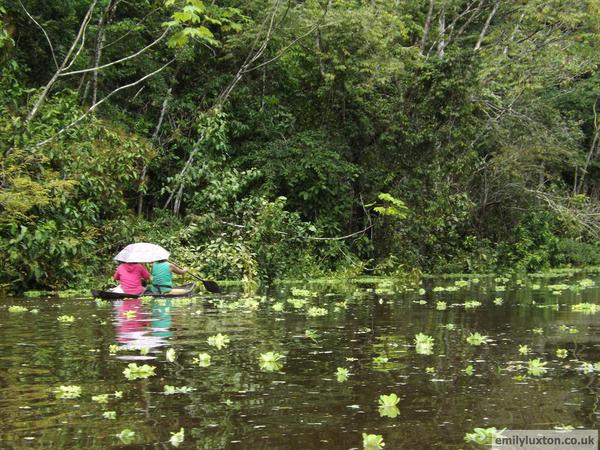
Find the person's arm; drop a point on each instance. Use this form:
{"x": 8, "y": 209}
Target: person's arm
{"x": 177, "y": 270}
{"x": 145, "y": 273}
{"x": 117, "y": 275}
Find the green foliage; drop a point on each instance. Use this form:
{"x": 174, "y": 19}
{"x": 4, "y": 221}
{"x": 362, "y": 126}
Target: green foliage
{"x": 280, "y": 142}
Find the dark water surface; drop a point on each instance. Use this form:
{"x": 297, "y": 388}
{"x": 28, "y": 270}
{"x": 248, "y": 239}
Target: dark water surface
{"x": 236, "y": 405}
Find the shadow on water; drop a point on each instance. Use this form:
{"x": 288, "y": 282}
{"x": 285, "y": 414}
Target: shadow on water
{"x": 231, "y": 400}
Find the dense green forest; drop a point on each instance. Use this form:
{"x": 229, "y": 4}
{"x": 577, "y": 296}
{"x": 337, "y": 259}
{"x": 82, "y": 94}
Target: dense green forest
{"x": 268, "y": 139}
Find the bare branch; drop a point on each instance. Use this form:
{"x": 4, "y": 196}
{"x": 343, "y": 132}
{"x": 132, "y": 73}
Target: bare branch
{"x": 43, "y": 31}
{"x": 98, "y": 103}
{"x": 44, "y": 93}
{"x": 486, "y": 25}
{"x": 139, "y": 52}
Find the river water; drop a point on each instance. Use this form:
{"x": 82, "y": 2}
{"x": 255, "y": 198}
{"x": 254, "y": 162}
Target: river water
{"x": 366, "y": 328}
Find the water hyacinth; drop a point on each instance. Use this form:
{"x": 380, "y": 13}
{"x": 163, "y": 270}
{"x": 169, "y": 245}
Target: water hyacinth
{"x": 586, "y": 308}
{"x": 562, "y": 353}
{"x": 171, "y": 390}
{"x": 203, "y": 360}
{"x": 68, "y": 392}
{"x": 16, "y": 309}
{"x": 424, "y": 344}
{"x": 342, "y": 374}
{"x": 315, "y": 311}
{"x": 219, "y": 341}
{"x": 126, "y": 436}
{"x": 134, "y": 372}
{"x": 388, "y": 406}
{"x": 441, "y": 306}
{"x": 102, "y": 399}
{"x": 536, "y": 367}
{"x": 476, "y": 339}
{"x": 523, "y": 349}
{"x": 482, "y": 436}
{"x": 177, "y": 438}
{"x": 66, "y": 319}
{"x": 469, "y": 304}
{"x": 372, "y": 441}
{"x": 271, "y": 361}
{"x": 171, "y": 355}
{"x": 110, "y": 415}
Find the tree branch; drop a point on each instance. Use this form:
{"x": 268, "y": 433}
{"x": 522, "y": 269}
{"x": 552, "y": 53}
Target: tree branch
{"x": 43, "y": 31}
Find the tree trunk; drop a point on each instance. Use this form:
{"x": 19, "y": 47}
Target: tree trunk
{"x": 427, "y": 27}
{"x": 154, "y": 138}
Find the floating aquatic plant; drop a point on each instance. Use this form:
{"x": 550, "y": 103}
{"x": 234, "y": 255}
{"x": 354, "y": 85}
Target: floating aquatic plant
{"x": 441, "y": 306}
{"x": 523, "y": 349}
{"x": 16, "y": 309}
{"x": 469, "y": 370}
{"x": 424, "y": 344}
{"x": 422, "y": 291}
{"x": 114, "y": 349}
{"x": 587, "y": 308}
{"x": 118, "y": 394}
{"x": 219, "y": 340}
{"x": 177, "y": 438}
{"x": 297, "y": 292}
{"x": 171, "y": 355}
{"x": 315, "y": 311}
{"x": 430, "y": 370}
{"x": 66, "y": 319}
{"x": 171, "y": 390}
{"x": 586, "y": 283}
{"x": 144, "y": 350}
{"x": 203, "y": 360}
{"x": 102, "y": 399}
{"x": 461, "y": 283}
{"x": 538, "y": 331}
{"x": 449, "y": 326}
{"x": 588, "y": 367}
{"x": 438, "y": 289}
{"x": 271, "y": 361}
{"x": 476, "y": 339}
{"x": 498, "y": 301}
{"x": 536, "y": 367}
{"x": 342, "y": 374}
{"x": 311, "y": 334}
{"x": 298, "y": 303}
{"x": 380, "y": 360}
{"x": 110, "y": 415}
{"x": 472, "y": 304}
{"x": 134, "y": 372}
{"x": 483, "y": 436}
{"x": 67, "y": 392}
{"x": 278, "y": 307}
{"x": 562, "y": 352}
{"x": 126, "y": 436}
{"x": 372, "y": 441}
{"x": 388, "y": 400}
{"x": 387, "y": 406}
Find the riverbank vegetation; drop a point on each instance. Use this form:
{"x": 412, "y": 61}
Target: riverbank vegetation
{"x": 268, "y": 139}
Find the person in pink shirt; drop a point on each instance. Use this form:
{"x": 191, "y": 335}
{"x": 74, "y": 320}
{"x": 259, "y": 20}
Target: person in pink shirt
{"x": 130, "y": 276}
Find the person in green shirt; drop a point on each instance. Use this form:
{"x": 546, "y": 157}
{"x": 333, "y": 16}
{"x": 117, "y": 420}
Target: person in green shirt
{"x": 162, "y": 276}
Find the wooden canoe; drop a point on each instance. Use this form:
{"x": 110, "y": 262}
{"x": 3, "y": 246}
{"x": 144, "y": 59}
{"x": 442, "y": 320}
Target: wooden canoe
{"x": 184, "y": 290}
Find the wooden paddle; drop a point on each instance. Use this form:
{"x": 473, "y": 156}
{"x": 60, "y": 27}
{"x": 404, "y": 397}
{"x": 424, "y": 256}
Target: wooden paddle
{"x": 210, "y": 286}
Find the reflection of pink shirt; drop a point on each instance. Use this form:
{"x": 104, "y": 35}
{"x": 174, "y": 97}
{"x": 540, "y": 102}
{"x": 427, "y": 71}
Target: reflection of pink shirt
{"x": 130, "y": 276}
